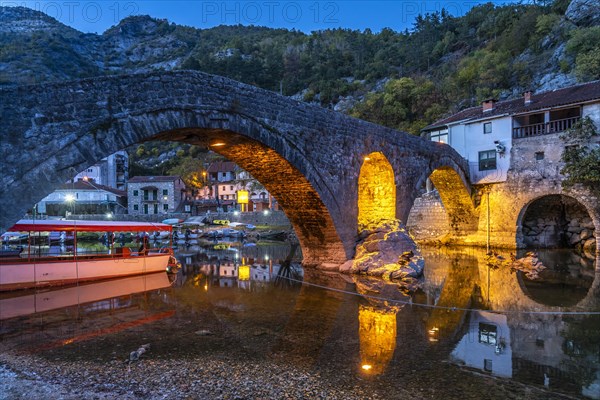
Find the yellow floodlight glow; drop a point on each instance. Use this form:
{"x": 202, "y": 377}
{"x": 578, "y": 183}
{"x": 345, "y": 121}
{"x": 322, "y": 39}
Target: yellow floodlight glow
{"x": 242, "y": 197}
{"x": 376, "y": 190}
{"x": 367, "y": 367}
{"x": 244, "y": 273}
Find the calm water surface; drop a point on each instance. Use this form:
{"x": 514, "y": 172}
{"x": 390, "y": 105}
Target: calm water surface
{"x": 256, "y": 302}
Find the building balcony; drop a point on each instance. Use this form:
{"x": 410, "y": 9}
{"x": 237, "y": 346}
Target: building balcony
{"x": 544, "y": 128}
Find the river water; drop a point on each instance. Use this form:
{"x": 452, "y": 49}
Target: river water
{"x": 473, "y": 330}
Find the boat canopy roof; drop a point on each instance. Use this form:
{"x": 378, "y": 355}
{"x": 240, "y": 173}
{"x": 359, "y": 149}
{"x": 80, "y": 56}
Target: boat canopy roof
{"x": 29, "y": 225}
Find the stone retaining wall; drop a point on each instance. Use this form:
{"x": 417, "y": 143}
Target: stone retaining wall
{"x": 428, "y": 218}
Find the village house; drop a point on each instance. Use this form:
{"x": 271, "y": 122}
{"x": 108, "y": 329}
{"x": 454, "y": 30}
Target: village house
{"x": 485, "y": 135}
{"x": 83, "y": 197}
{"x": 156, "y": 195}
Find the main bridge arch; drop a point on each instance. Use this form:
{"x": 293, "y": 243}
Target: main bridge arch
{"x": 307, "y": 156}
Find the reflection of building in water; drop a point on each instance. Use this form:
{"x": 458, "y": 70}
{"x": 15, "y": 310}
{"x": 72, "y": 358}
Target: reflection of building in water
{"x": 228, "y": 272}
{"x": 557, "y": 351}
{"x": 486, "y": 345}
{"x": 377, "y": 335}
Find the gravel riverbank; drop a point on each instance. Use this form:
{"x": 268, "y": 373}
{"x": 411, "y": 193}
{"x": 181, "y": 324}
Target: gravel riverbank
{"x": 30, "y": 377}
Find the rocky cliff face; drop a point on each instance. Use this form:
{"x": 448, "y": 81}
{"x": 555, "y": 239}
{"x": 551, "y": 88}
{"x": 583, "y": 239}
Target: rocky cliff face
{"x": 37, "y": 48}
{"x": 584, "y": 12}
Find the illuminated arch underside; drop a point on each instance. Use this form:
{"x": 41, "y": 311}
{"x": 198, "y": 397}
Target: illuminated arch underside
{"x": 376, "y": 191}
{"x": 301, "y": 203}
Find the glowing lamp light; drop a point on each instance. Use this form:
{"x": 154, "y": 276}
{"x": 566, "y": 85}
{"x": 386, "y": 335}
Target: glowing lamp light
{"x": 217, "y": 143}
{"x": 266, "y": 212}
{"x": 366, "y": 367}
{"x": 244, "y": 273}
{"x": 242, "y": 197}
{"x": 69, "y": 197}
{"x": 367, "y": 158}
{"x": 433, "y": 333}
{"x": 109, "y": 215}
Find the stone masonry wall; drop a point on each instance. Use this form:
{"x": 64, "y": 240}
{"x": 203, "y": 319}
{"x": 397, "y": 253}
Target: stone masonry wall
{"x": 307, "y": 156}
{"x": 428, "y": 218}
{"x": 531, "y": 177}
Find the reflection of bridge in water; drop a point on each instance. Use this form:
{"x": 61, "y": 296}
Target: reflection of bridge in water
{"x": 369, "y": 328}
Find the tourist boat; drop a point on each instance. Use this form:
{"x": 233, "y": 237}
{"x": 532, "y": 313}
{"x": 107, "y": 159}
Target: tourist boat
{"x": 47, "y": 265}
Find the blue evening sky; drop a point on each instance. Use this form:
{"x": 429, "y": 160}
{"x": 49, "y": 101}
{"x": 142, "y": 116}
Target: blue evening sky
{"x": 97, "y": 16}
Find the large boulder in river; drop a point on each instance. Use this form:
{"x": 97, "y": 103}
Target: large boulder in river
{"x": 387, "y": 251}
{"x": 584, "y": 12}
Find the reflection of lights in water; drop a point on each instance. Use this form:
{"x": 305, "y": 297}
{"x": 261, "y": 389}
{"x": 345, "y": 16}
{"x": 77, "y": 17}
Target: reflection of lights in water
{"x": 244, "y": 273}
{"x": 433, "y": 334}
{"x": 206, "y": 287}
{"x": 377, "y": 335}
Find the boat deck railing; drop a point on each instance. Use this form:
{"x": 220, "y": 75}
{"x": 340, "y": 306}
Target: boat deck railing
{"x": 115, "y": 253}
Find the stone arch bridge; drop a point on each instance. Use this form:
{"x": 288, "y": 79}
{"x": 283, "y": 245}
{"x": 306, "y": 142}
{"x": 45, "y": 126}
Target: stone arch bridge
{"x": 308, "y": 157}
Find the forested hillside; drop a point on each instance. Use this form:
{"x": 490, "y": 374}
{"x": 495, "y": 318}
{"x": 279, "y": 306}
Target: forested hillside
{"x": 404, "y": 80}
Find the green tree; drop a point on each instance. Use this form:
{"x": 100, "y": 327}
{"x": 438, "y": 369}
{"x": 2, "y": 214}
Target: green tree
{"x": 581, "y": 156}
{"x": 584, "y": 45}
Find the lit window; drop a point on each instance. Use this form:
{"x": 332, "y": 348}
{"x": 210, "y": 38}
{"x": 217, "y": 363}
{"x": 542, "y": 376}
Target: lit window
{"x": 487, "y": 127}
{"x": 487, "y": 333}
{"x": 439, "y": 136}
{"x": 487, "y": 160}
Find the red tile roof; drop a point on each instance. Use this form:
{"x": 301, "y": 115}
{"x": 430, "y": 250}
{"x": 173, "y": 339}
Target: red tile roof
{"x": 221, "y": 166}
{"x": 556, "y": 98}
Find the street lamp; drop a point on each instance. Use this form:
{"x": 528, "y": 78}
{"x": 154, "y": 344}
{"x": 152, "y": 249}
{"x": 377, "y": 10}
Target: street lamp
{"x": 70, "y": 200}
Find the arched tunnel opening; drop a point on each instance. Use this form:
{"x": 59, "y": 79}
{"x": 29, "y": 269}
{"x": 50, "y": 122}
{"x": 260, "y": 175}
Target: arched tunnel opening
{"x": 376, "y": 191}
{"x": 561, "y": 231}
{"x": 558, "y": 221}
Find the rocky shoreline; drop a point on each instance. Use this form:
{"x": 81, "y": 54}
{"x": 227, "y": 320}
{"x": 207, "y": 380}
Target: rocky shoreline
{"x": 219, "y": 377}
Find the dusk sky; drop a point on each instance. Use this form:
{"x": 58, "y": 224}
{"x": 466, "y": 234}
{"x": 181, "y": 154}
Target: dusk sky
{"x": 97, "y": 16}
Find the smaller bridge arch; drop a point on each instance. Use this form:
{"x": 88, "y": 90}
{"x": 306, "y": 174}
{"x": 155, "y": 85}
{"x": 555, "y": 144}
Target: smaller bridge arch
{"x": 452, "y": 184}
{"x": 376, "y": 190}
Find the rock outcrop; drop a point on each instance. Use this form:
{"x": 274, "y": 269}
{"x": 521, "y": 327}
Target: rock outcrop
{"x": 584, "y": 12}
{"x": 387, "y": 251}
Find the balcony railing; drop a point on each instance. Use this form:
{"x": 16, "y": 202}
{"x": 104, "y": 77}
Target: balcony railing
{"x": 544, "y": 128}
